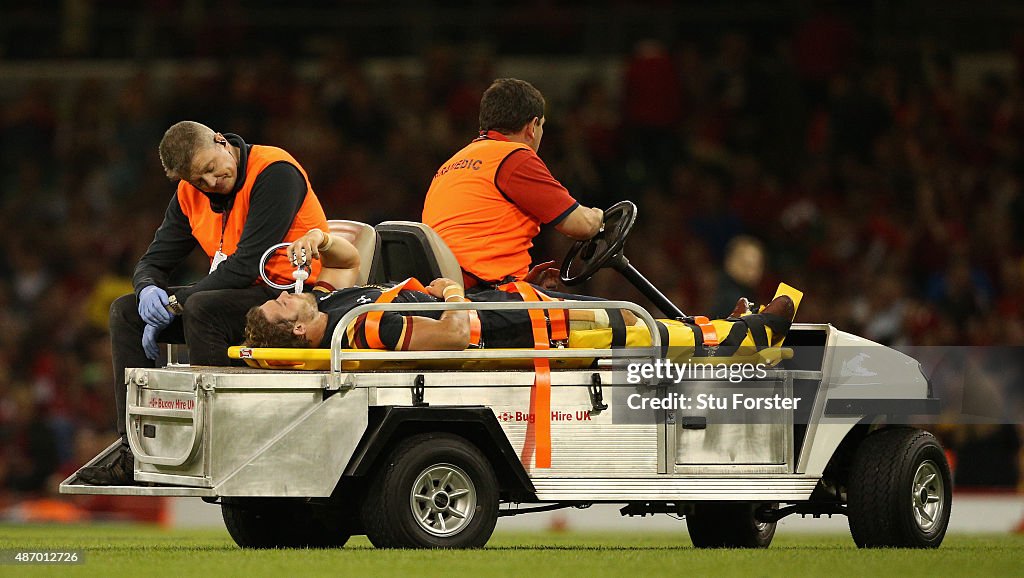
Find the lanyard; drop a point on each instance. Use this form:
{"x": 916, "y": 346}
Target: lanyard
{"x": 223, "y": 227}
{"x": 219, "y": 257}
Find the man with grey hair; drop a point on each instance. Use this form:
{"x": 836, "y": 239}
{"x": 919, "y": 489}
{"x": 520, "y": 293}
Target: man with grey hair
{"x": 233, "y": 201}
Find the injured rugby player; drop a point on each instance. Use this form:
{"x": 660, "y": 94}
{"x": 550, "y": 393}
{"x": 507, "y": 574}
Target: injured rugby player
{"x": 309, "y": 319}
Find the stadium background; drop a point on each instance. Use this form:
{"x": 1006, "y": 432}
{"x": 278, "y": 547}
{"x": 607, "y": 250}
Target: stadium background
{"x": 874, "y": 147}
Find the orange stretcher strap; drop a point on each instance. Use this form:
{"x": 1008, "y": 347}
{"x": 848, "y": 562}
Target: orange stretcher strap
{"x": 540, "y": 395}
{"x": 474, "y": 327}
{"x": 708, "y": 330}
{"x": 559, "y": 318}
{"x": 372, "y": 327}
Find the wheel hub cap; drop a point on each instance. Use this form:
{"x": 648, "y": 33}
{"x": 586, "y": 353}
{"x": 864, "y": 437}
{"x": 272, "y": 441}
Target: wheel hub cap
{"x": 929, "y": 498}
{"x": 443, "y": 499}
{"x": 440, "y": 501}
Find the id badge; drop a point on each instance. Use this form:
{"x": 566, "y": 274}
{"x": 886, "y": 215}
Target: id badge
{"x": 218, "y": 258}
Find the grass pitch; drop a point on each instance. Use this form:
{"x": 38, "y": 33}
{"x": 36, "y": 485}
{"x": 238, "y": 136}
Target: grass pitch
{"x": 115, "y": 550}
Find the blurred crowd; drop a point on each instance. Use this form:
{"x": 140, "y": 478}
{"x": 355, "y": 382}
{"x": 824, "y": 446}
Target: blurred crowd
{"x": 887, "y": 191}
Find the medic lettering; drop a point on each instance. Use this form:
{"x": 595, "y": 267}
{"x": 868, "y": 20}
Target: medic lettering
{"x": 474, "y": 164}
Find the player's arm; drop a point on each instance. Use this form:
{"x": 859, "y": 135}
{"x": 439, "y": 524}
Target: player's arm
{"x": 339, "y": 257}
{"x": 451, "y": 331}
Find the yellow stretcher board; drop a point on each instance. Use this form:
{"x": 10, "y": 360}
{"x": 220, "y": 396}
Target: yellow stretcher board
{"x": 320, "y": 360}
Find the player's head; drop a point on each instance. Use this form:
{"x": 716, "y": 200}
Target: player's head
{"x": 509, "y": 105}
{"x": 281, "y": 322}
{"x": 194, "y": 153}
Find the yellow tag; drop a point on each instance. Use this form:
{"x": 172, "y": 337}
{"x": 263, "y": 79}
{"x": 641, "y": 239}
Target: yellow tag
{"x": 795, "y": 294}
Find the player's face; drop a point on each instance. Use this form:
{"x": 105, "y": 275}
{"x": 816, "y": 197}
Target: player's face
{"x": 297, "y": 308}
{"x": 214, "y": 168}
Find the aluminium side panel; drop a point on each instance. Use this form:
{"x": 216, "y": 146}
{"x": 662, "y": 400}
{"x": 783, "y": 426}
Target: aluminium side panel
{"x": 242, "y": 432}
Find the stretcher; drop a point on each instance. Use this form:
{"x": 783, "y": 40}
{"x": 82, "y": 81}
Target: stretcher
{"x": 679, "y": 346}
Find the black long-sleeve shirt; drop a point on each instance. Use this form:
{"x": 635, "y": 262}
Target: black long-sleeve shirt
{"x": 277, "y": 194}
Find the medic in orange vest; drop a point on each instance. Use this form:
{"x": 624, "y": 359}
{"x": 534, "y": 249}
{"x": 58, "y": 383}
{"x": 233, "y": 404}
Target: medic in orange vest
{"x": 233, "y": 201}
{"x": 489, "y": 200}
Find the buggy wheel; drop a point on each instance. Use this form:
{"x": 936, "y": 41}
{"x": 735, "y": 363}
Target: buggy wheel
{"x": 728, "y": 525}
{"x": 434, "y": 491}
{"x": 900, "y": 491}
{"x": 262, "y": 523}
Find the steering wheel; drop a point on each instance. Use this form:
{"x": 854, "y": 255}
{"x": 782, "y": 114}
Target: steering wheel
{"x": 300, "y": 274}
{"x": 586, "y": 257}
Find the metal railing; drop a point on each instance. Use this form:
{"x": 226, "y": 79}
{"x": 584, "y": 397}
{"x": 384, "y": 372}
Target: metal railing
{"x": 339, "y": 355}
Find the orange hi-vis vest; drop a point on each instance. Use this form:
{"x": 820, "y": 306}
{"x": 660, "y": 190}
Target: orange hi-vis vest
{"x": 464, "y": 206}
{"x": 207, "y": 225}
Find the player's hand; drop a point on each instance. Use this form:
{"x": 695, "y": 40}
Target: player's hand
{"x": 153, "y": 306}
{"x": 305, "y": 249}
{"x": 437, "y": 287}
{"x": 149, "y": 344}
{"x": 628, "y": 317}
{"x": 544, "y": 275}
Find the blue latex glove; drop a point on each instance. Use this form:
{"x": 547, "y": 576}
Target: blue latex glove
{"x": 153, "y": 307}
{"x": 149, "y": 341}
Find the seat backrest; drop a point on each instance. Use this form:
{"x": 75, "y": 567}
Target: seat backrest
{"x": 365, "y": 239}
{"x": 411, "y": 249}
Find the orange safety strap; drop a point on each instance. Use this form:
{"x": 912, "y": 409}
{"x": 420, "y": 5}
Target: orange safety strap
{"x": 372, "y": 326}
{"x": 540, "y": 395}
{"x": 559, "y": 318}
{"x": 559, "y": 326}
{"x": 474, "y": 327}
{"x": 707, "y": 329}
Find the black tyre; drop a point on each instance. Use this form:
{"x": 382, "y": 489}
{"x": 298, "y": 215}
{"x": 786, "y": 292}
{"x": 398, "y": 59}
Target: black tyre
{"x": 899, "y": 492}
{"x": 281, "y": 523}
{"x": 728, "y": 525}
{"x": 433, "y": 491}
